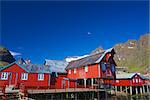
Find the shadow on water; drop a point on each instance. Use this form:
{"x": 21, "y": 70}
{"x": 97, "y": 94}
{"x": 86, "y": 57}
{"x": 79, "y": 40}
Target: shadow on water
{"x": 137, "y": 97}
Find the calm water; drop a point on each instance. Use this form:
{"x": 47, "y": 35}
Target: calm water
{"x": 129, "y": 98}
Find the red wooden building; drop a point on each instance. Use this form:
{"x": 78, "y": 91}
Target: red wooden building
{"x": 91, "y": 70}
{"x": 29, "y": 76}
{"x": 133, "y": 83}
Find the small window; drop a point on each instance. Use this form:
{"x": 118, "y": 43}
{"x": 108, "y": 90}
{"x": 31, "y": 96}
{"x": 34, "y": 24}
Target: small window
{"x": 133, "y": 81}
{"x": 86, "y": 69}
{"x": 4, "y": 75}
{"x": 136, "y": 80}
{"x": 117, "y": 81}
{"x": 40, "y": 76}
{"x": 75, "y": 71}
{"x": 69, "y": 71}
{"x": 139, "y": 80}
{"x": 24, "y": 76}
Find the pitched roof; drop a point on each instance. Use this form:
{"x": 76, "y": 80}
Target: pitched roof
{"x": 125, "y": 75}
{"x": 56, "y": 65}
{"x": 91, "y": 59}
{"x": 128, "y": 75}
{"x": 31, "y": 68}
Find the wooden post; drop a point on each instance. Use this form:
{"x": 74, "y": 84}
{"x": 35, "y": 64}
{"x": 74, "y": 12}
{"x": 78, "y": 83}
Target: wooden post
{"x": 120, "y": 88}
{"x": 126, "y": 89}
{"x": 76, "y": 96}
{"x": 136, "y": 91}
{"x": 98, "y": 97}
{"x": 143, "y": 89}
{"x": 92, "y": 95}
{"x": 92, "y": 82}
{"x": 115, "y": 88}
{"x": 148, "y": 89}
{"x": 62, "y": 96}
{"x": 130, "y": 90}
{"x": 85, "y": 82}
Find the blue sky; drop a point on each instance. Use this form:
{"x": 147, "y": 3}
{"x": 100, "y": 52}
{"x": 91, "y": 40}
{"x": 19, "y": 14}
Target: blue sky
{"x": 55, "y": 30}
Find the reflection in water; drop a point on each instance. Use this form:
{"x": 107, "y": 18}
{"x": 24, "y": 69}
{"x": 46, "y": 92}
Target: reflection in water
{"x": 129, "y": 98}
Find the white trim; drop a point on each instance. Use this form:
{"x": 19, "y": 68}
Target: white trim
{"x": 139, "y": 80}
{"x": 24, "y": 76}
{"x": 86, "y": 68}
{"x": 136, "y": 80}
{"x": 4, "y": 75}
{"x": 75, "y": 71}
{"x": 117, "y": 81}
{"x": 108, "y": 50}
{"x": 40, "y": 77}
{"x": 69, "y": 71}
{"x": 99, "y": 71}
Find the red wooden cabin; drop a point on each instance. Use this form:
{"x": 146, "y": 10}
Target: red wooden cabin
{"x": 29, "y": 76}
{"x": 132, "y": 83}
{"x": 93, "y": 68}
{"x": 129, "y": 79}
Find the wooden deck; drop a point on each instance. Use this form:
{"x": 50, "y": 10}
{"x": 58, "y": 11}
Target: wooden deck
{"x": 39, "y": 91}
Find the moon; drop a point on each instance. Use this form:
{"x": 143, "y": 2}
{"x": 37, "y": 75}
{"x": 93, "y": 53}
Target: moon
{"x": 89, "y": 33}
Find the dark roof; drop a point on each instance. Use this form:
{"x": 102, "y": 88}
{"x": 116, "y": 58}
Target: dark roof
{"x": 31, "y": 68}
{"x": 92, "y": 59}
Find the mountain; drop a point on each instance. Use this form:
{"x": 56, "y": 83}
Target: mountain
{"x": 134, "y": 55}
{"x": 5, "y": 56}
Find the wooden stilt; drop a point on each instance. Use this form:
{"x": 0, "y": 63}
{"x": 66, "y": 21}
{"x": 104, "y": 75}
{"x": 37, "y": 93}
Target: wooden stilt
{"x": 130, "y": 90}
{"x": 92, "y": 82}
{"x": 126, "y": 89}
{"x": 85, "y": 82}
{"x": 136, "y": 90}
{"x": 120, "y": 88}
{"x": 141, "y": 90}
{"x": 148, "y": 89}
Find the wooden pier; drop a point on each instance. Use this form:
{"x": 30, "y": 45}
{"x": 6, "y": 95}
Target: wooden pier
{"x": 68, "y": 94}
{"x": 40, "y": 91}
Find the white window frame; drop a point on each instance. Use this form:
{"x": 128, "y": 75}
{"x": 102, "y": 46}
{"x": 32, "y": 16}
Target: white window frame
{"x": 4, "y": 75}
{"x": 69, "y": 71}
{"x": 86, "y": 68}
{"x": 133, "y": 80}
{"x": 75, "y": 71}
{"x": 137, "y": 80}
{"x": 117, "y": 81}
{"x": 24, "y": 76}
{"x": 40, "y": 77}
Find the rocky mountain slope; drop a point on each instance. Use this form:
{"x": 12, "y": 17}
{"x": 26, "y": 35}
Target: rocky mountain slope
{"x": 134, "y": 55}
{"x": 5, "y": 56}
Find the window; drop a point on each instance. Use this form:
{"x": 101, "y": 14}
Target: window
{"x": 69, "y": 71}
{"x": 117, "y": 81}
{"x": 40, "y": 76}
{"x": 86, "y": 69}
{"x": 133, "y": 80}
{"x": 4, "y": 75}
{"x": 24, "y": 76}
{"x": 139, "y": 80}
{"x": 75, "y": 71}
{"x": 136, "y": 80}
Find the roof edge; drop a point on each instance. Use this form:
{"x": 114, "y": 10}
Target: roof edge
{"x": 106, "y": 51}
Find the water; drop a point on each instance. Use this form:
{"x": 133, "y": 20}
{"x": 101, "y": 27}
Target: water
{"x": 138, "y": 97}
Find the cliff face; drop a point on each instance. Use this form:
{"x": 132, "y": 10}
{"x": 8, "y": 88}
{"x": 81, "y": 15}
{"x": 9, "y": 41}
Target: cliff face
{"x": 134, "y": 55}
{"x": 5, "y": 57}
